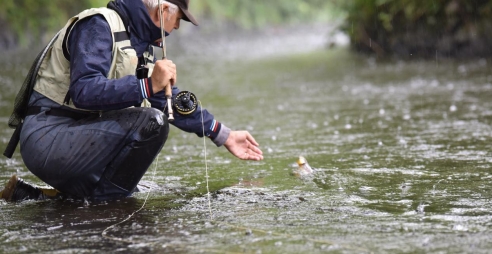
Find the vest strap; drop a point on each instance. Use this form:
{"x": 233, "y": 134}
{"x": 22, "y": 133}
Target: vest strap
{"x": 66, "y": 53}
{"x": 124, "y": 18}
{"x": 121, "y": 36}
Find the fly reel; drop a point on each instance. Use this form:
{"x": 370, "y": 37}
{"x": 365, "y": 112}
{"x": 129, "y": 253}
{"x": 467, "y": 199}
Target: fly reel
{"x": 185, "y": 103}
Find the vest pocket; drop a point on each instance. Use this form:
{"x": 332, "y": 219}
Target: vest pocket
{"x": 126, "y": 62}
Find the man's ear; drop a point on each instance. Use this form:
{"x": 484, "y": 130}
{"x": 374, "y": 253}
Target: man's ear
{"x": 165, "y": 10}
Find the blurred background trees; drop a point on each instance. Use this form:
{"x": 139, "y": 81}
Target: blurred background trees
{"x": 427, "y": 28}
{"x": 24, "y": 21}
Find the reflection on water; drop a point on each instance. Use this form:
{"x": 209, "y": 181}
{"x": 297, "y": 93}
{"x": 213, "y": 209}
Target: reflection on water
{"x": 402, "y": 152}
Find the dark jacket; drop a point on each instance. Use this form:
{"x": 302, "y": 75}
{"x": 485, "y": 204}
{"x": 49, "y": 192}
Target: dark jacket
{"x": 90, "y": 46}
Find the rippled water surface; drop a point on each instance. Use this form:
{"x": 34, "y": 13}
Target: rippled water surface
{"x": 401, "y": 148}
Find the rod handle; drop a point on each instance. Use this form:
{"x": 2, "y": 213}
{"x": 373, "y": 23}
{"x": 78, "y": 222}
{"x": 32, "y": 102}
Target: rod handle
{"x": 169, "y": 96}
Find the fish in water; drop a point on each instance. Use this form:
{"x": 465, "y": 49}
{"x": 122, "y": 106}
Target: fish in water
{"x": 303, "y": 168}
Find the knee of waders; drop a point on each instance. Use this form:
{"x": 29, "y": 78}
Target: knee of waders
{"x": 155, "y": 124}
{"x": 127, "y": 169}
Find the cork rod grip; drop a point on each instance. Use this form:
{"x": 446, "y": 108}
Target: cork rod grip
{"x": 169, "y": 96}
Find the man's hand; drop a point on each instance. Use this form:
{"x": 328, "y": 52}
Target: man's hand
{"x": 242, "y": 145}
{"x": 164, "y": 74}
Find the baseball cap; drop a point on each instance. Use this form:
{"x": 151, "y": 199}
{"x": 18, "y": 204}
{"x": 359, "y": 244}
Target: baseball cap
{"x": 183, "y": 5}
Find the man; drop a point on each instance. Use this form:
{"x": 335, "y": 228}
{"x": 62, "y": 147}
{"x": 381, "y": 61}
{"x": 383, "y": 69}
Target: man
{"x": 87, "y": 125}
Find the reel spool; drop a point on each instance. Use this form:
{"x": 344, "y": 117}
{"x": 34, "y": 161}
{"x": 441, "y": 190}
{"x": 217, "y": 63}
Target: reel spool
{"x": 185, "y": 103}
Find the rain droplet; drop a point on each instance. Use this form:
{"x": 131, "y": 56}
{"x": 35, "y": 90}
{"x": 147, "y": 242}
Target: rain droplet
{"x": 453, "y": 108}
{"x": 462, "y": 69}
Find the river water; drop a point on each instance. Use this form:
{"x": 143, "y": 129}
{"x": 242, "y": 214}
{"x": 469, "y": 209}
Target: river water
{"x": 401, "y": 148}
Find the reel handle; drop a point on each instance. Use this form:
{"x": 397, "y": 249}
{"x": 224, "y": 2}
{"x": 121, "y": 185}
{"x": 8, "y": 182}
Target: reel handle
{"x": 185, "y": 103}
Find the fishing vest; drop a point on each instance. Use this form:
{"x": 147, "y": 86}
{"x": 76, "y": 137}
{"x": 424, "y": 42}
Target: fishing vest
{"x": 53, "y": 79}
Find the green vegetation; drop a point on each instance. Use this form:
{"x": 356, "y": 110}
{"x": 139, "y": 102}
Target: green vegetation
{"x": 21, "y": 18}
{"x": 420, "y": 27}
{"x": 18, "y": 18}
{"x": 256, "y": 13}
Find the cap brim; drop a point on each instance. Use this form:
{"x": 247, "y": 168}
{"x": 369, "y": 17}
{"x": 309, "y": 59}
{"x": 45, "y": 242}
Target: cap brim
{"x": 188, "y": 17}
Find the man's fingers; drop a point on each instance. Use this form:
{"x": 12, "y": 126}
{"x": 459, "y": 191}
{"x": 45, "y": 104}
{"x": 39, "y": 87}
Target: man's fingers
{"x": 251, "y": 139}
{"x": 256, "y": 150}
{"x": 248, "y": 156}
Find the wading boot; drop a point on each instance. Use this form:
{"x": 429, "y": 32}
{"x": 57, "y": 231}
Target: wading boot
{"x": 17, "y": 190}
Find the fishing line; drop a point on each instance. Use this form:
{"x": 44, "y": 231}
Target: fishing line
{"x": 105, "y": 231}
{"x": 206, "y": 163}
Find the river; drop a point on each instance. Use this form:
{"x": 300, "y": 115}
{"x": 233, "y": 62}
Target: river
{"x": 402, "y": 151}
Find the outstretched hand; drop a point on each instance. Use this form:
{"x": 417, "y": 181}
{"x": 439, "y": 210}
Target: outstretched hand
{"x": 242, "y": 145}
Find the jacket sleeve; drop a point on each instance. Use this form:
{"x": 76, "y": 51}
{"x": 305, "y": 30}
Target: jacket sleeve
{"x": 90, "y": 47}
{"x": 192, "y": 123}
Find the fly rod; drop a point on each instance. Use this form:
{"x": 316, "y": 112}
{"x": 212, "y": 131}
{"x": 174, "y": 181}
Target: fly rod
{"x": 169, "y": 93}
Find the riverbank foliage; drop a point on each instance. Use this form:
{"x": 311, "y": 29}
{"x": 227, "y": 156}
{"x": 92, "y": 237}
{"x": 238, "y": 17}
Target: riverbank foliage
{"x": 24, "y": 21}
{"x": 429, "y": 28}
{"x": 448, "y": 28}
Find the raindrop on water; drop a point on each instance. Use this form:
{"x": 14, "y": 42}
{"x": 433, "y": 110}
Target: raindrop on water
{"x": 462, "y": 69}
